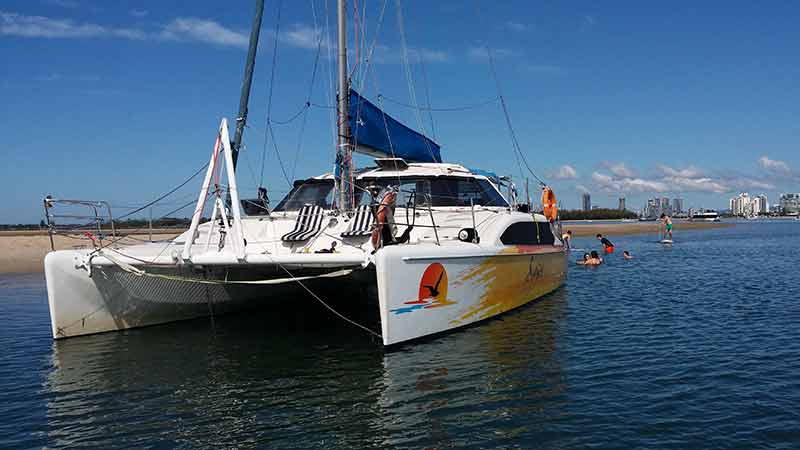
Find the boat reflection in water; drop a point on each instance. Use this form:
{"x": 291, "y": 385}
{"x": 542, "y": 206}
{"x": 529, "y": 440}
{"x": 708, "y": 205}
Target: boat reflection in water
{"x": 254, "y": 381}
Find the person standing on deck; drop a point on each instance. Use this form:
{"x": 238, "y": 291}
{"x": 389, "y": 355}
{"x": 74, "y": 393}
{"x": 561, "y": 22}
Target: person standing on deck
{"x": 667, "y": 226}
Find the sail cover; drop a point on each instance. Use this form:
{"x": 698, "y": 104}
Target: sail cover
{"x": 369, "y": 126}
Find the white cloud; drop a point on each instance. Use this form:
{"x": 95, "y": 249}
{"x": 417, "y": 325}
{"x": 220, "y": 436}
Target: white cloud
{"x": 688, "y": 172}
{"x": 544, "y": 68}
{"x": 565, "y": 172}
{"x": 14, "y": 24}
{"x": 481, "y": 53}
{"x": 62, "y": 3}
{"x": 429, "y": 55}
{"x": 618, "y": 169}
{"x": 519, "y": 27}
{"x": 180, "y": 29}
{"x": 303, "y": 36}
{"x": 627, "y": 184}
{"x": 774, "y": 165}
{"x": 191, "y": 29}
{"x": 581, "y": 188}
{"x": 683, "y": 184}
{"x": 139, "y": 13}
{"x": 203, "y": 30}
{"x": 750, "y": 183}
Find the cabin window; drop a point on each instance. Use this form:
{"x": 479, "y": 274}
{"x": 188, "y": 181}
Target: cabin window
{"x": 528, "y": 233}
{"x": 308, "y": 192}
{"x": 442, "y": 191}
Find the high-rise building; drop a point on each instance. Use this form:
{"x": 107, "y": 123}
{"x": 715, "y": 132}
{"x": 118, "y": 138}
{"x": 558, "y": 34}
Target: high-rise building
{"x": 677, "y": 205}
{"x": 742, "y": 205}
{"x": 790, "y": 203}
{"x": 665, "y": 206}
{"x": 587, "y": 201}
{"x": 622, "y": 203}
{"x": 760, "y": 205}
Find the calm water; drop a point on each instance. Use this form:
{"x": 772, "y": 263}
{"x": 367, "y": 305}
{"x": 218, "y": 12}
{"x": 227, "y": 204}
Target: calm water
{"x": 694, "y": 346}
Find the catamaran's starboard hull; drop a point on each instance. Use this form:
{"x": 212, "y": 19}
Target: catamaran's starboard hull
{"x": 423, "y": 293}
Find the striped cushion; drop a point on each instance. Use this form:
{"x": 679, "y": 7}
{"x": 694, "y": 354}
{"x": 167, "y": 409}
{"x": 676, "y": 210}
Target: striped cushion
{"x": 307, "y": 224}
{"x": 361, "y": 224}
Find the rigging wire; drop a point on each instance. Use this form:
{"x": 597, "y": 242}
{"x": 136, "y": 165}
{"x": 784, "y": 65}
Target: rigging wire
{"x": 294, "y": 116}
{"x": 271, "y": 89}
{"x": 409, "y": 78}
{"x": 162, "y": 197}
{"x": 427, "y": 92}
{"x": 301, "y": 132}
{"x": 514, "y": 141}
{"x": 368, "y": 57}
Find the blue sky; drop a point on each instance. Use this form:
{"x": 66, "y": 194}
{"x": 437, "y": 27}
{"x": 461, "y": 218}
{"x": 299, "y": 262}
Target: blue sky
{"x": 120, "y": 100}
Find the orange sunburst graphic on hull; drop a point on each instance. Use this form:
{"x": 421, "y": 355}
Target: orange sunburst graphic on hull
{"x": 432, "y": 291}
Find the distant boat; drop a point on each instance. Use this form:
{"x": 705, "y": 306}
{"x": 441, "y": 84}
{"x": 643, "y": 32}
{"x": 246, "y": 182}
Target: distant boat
{"x": 704, "y": 215}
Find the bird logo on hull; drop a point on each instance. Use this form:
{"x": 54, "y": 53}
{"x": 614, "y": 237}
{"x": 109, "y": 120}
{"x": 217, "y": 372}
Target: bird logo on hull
{"x": 432, "y": 291}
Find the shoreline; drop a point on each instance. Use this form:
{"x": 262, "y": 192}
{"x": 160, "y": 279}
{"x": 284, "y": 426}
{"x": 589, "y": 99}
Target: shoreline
{"x": 24, "y": 251}
{"x": 591, "y": 228}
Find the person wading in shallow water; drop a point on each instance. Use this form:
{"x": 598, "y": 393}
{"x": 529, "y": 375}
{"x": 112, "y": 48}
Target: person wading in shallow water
{"x": 566, "y": 238}
{"x": 585, "y": 258}
{"x": 607, "y": 245}
{"x": 667, "y": 226}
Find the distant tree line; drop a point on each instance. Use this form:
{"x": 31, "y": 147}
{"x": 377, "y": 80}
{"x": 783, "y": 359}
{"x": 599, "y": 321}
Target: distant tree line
{"x": 166, "y": 222}
{"x": 596, "y": 214}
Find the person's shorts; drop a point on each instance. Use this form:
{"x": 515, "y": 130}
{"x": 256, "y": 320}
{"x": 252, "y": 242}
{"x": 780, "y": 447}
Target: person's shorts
{"x": 669, "y": 227}
{"x": 610, "y": 249}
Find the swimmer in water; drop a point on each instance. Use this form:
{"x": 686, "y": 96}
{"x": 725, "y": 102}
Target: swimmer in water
{"x": 626, "y": 255}
{"x": 594, "y": 259}
{"x": 585, "y": 258}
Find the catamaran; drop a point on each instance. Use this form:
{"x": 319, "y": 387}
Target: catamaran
{"x": 438, "y": 244}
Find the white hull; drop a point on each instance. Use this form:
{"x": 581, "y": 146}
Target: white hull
{"x": 478, "y": 285}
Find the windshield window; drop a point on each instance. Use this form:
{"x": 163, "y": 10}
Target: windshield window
{"x": 442, "y": 191}
{"x": 309, "y": 192}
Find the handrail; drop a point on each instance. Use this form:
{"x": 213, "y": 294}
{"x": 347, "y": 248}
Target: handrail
{"x": 95, "y": 218}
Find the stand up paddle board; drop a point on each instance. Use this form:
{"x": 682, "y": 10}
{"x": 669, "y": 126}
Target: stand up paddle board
{"x": 666, "y": 241}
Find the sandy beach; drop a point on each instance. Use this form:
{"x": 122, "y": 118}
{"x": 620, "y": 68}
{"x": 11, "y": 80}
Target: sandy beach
{"x": 587, "y": 228}
{"x": 24, "y": 251}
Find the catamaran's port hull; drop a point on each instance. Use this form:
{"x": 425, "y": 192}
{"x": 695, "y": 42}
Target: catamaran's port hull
{"x": 419, "y": 292}
{"x": 112, "y": 299}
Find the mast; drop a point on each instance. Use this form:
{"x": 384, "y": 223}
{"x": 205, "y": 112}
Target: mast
{"x": 241, "y": 119}
{"x": 344, "y": 149}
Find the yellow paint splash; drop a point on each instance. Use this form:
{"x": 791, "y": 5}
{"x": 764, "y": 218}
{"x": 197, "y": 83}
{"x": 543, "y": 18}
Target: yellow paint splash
{"x": 511, "y": 281}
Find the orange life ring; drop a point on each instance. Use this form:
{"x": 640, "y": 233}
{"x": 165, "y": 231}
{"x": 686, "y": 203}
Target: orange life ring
{"x": 549, "y": 203}
{"x": 384, "y": 217}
